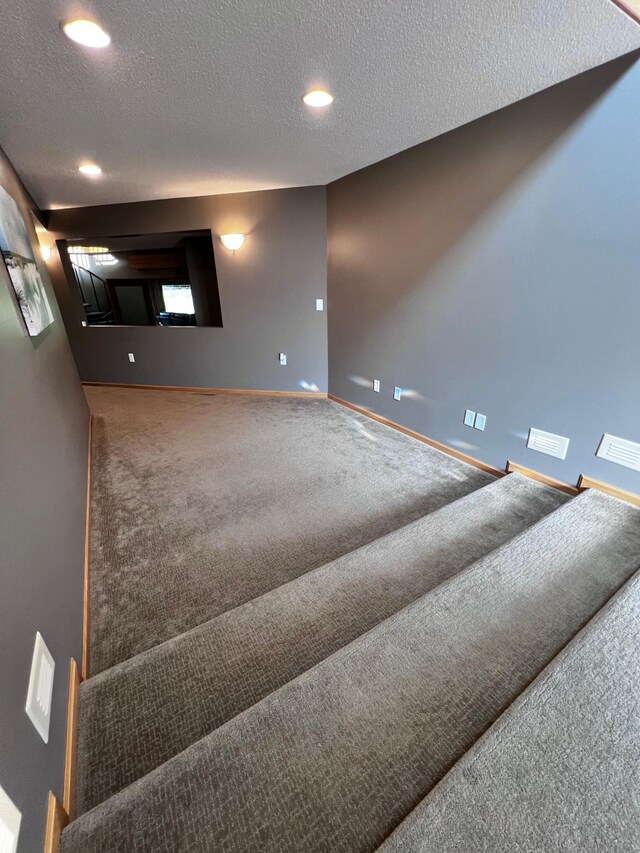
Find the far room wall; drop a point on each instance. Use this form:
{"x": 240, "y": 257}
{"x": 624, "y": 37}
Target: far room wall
{"x": 268, "y": 293}
{"x": 497, "y": 268}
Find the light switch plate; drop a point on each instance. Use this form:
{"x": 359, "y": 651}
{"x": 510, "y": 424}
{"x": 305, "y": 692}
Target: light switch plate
{"x": 547, "y": 442}
{"x": 480, "y": 422}
{"x": 132, "y": 357}
{"x": 282, "y": 358}
{"x": 469, "y": 418}
{"x": 319, "y": 304}
{"x": 397, "y": 393}
{"x": 10, "y": 819}
{"x": 38, "y": 705}
{"x": 376, "y": 386}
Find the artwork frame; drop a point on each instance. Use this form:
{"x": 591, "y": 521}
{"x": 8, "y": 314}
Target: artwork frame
{"x": 20, "y": 263}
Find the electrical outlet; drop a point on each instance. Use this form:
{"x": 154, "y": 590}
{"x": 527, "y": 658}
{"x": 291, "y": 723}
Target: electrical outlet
{"x": 132, "y": 357}
{"x": 38, "y": 705}
{"x": 469, "y": 418}
{"x": 282, "y": 358}
{"x": 10, "y": 819}
{"x": 397, "y": 393}
{"x": 480, "y": 422}
{"x": 376, "y": 386}
{"x": 319, "y": 304}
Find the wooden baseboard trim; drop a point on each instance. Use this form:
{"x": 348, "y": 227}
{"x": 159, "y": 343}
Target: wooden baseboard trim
{"x": 196, "y": 390}
{"x": 516, "y": 468}
{"x": 57, "y": 819}
{"x": 87, "y": 545}
{"x": 614, "y": 491}
{"x": 463, "y": 457}
{"x": 71, "y": 751}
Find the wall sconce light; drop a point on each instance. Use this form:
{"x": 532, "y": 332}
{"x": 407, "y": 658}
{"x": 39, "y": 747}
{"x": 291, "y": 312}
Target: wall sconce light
{"x": 232, "y": 242}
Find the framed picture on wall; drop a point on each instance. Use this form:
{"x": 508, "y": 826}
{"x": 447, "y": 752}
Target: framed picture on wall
{"x": 22, "y": 268}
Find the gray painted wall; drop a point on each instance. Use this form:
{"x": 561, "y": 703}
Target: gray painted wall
{"x": 267, "y": 294}
{"x": 497, "y": 268}
{"x": 43, "y": 429}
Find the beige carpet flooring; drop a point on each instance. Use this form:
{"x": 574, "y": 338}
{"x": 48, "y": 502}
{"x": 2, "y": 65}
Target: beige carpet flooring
{"x": 139, "y": 714}
{"x": 302, "y": 620}
{"x": 201, "y": 503}
{"x": 332, "y": 761}
{"x": 560, "y": 770}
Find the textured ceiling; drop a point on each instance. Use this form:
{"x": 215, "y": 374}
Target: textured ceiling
{"x": 204, "y": 96}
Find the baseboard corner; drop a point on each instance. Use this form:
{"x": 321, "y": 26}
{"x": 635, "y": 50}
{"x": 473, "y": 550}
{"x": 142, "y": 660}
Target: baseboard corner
{"x": 71, "y": 749}
{"x": 586, "y": 482}
{"x": 517, "y": 468}
{"x": 57, "y": 819}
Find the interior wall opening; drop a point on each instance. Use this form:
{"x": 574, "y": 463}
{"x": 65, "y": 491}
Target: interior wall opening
{"x": 167, "y": 280}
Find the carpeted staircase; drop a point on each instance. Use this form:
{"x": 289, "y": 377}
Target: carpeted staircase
{"x": 317, "y": 713}
{"x": 560, "y": 770}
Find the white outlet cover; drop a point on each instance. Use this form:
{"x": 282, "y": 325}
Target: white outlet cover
{"x": 10, "y": 819}
{"x": 480, "y": 422}
{"x": 469, "y": 418}
{"x": 376, "y": 386}
{"x": 548, "y": 442}
{"x": 282, "y": 358}
{"x": 397, "y": 393}
{"x": 38, "y": 705}
{"x": 132, "y": 357}
{"x": 319, "y": 304}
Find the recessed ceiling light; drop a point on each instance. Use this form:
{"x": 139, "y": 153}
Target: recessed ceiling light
{"x": 318, "y": 98}
{"x": 90, "y": 169}
{"x": 86, "y": 32}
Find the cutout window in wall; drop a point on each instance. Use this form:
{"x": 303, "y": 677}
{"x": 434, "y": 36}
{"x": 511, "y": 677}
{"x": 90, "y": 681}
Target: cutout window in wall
{"x": 160, "y": 280}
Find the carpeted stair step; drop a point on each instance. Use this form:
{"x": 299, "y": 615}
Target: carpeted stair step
{"x": 335, "y": 759}
{"x": 139, "y": 714}
{"x": 200, "y": 503}
{"x": 559, "y": 770}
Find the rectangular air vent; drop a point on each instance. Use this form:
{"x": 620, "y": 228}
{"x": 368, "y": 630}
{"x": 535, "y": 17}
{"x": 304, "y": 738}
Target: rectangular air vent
{"x": 547, "y": 442}
{"x": 38, "y": 705}
{"x": 10, "y": 819}
{"x": 619, "y": 450}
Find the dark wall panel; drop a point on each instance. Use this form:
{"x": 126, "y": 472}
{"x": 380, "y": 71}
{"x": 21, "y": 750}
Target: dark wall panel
{"x": 497, "y": 268}
{"x": 43, "y": 441}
